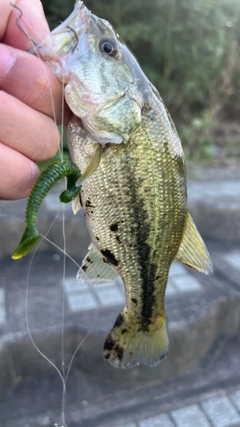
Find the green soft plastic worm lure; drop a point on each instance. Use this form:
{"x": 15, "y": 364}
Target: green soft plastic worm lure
{"x": 56, "y": 171}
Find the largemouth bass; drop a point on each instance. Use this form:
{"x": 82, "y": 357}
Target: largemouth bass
{"x": 134, "y": 193}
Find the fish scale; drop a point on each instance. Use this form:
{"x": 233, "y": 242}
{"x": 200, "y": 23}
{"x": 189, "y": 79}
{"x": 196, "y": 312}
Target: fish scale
{"x": 122, "y": 168}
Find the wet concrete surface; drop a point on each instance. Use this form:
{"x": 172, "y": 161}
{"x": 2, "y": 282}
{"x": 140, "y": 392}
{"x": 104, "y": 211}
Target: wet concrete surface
{"x": 204, "y": 331}
{"x": 99, "y": 402}
{"x": 204, "y": 327}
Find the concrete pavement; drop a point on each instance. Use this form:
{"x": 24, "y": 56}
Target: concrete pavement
{"x": 204, "y": 323}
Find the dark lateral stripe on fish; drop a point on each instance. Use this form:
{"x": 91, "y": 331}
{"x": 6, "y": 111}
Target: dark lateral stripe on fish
{"x": 147, "y": 269}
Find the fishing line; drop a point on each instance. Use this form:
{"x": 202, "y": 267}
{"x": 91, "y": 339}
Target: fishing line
{"x": 64, "y": 374}
{"x": 60, "y": 249}
{"x": 86, "y": 336}
{"x": 96, "y": 310}
{"x": 7, "y": 215}
{"x": 34, "y": 44}
{"x": 64, "y": 392}
{"x": 20, "y": 25}
{"x": 27, "y": 316}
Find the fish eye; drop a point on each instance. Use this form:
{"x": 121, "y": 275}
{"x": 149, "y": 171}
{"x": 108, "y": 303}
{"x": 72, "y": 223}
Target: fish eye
{"x": 109, "y": 47}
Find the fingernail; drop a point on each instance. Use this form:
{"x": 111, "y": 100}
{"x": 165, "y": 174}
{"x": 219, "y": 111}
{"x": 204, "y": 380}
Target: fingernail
{"x": 7, "y": 60}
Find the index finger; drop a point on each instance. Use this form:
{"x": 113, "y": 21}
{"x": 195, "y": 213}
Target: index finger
{"x": 33, "y": 21}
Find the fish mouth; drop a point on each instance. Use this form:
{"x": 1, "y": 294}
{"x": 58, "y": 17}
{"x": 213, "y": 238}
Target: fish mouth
{"x": 65, "y": 42}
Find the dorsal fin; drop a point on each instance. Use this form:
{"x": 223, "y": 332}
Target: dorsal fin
{"x": 192, "y": 250}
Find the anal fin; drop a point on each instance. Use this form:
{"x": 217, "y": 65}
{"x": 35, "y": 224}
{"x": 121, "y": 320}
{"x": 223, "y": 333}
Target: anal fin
{"x": 95, "y": 269}
{"x": 192, "y": 250}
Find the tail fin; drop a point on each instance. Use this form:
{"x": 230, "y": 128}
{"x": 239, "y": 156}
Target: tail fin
{"x": 130, "y": 343}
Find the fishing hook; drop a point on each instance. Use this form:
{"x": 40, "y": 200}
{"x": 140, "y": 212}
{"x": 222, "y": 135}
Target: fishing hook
{"x": 76, "y": 37}
{"x": 20, "y": 25}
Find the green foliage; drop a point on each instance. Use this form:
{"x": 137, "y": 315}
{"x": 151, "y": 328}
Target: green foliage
{"x": 57, "y": 10}
{"x": 197, "y": 137}
{"x": 190, "y": 49}
{"x": 183, "y": 50}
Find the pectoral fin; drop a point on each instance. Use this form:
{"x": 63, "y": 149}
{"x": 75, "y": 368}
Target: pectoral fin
{"x": 91, "y": 167}
{"x": 192, "y": 250}
{"x": 95, "y": 269}
{"x": 76, "y": 205}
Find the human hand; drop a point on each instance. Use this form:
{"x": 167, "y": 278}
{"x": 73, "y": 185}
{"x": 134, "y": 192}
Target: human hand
{"x": 28, "y": 132}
